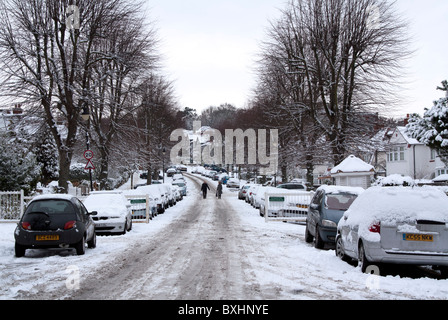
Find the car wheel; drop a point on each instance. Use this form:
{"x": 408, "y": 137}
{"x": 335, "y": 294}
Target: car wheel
{"x": 318, "y": 241}
{"x": 130, "y": 226}
{"x": 81, "y": 247}
{"x": 340, "y": 253}
{"x": 19, "y": 250}
{"x": 92, "y": 243}
{"x": 363, "y": 262}
{"x": 308, "y": 236}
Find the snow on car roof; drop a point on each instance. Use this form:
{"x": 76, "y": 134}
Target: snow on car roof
{"x": 399, "y": 204}
{"x": 395, "y": 205}
{"x": 54, "y": 196}
{"x": 341, "y": 189}
{"x": 106, "y": 204}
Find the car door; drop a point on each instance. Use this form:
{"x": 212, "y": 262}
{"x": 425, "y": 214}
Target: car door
{"x": 86, "y": 219}
{"x": 314, "y": 211}
{"x": 348, "y": 233}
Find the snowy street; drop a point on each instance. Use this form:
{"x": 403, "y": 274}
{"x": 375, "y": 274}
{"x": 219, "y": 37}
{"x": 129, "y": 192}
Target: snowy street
{"x": 202, "y": 250}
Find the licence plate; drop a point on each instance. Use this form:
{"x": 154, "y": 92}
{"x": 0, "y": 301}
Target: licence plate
{"x": 418, "y": 237}
{"x": 47, "y": 237}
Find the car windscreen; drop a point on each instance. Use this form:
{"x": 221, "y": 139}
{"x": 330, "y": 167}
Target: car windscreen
{"x": 179, "y": 184}
{"x": 339, "y": 201}
{"x": 49, "y": 214}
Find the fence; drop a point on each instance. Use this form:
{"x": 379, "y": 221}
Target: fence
{"x": 290, "y": 206}
{"x": 141, "y": 208}
{"x": 12, "y": 205}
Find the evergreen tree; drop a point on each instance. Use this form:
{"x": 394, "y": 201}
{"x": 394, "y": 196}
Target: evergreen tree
{"x": 432, "y": 129}
{"x": 18, "y": 166}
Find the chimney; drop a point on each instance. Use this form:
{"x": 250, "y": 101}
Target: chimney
{"x": 406, "y": 121}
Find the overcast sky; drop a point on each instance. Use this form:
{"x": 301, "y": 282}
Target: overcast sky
{"x": 209, "y": 48}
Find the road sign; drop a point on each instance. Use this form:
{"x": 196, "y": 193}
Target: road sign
{"x": 88, "y": 154}
{"x": 90, "y": 165}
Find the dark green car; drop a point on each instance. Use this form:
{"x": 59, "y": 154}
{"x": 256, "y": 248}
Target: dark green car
{"x": 327, "y": 208}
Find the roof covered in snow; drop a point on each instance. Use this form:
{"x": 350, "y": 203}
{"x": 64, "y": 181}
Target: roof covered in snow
{"x": 352, "y": 164}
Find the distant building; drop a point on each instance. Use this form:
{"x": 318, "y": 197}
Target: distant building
{"x": 409, "y": 157}
{"x": 353, "y": 172}
{"x": 9, "y": 117}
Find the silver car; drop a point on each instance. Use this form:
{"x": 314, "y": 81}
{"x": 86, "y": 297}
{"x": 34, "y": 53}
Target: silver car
{"x": 114, "y": 212}
{"x": 396, "y": 225}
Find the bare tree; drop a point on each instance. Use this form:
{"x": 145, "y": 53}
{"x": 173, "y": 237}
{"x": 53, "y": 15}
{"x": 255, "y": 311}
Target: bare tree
{"x": 126, "y": 54}
{"x": 344, "y": 61}
{"x": 46, "y": 54}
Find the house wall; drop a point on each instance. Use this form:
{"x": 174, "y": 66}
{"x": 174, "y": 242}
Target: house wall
{"x": 419, "y": 161}
{"x": 354, "y": 180}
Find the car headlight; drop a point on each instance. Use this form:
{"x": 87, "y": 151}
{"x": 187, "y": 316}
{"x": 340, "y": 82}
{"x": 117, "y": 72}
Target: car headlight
{"x": 329, "y": 223}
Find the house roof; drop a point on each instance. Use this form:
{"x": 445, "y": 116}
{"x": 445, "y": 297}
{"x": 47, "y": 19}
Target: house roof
{"x": 409, "y": 140}
{"x": 352, "y": 164}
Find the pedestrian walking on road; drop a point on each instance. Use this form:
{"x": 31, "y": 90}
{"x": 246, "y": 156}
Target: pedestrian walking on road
{"x": 219, "y": 190}
{"x": 204, "y": 189}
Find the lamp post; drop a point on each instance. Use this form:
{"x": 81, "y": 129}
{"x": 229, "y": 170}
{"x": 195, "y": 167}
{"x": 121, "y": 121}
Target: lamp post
{"x": 86, "y": 117}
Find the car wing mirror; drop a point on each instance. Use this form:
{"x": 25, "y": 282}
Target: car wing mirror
{"x": 93, "y": 213}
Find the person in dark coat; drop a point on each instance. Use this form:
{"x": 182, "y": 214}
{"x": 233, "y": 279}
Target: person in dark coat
{"x": 219, "y": 190}
{"x": 204, "y": 189}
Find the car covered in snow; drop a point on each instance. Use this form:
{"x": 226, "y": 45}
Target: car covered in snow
{"x": 154, "y": 192}
{"x": 242, "y": 192}
{"x": 114, "y": 212}
{"x": 233, "y": 183}
{"x": 55, "y": 221}
{"x": 326, "y": 210}
{"x": 396, "y": 225}
{"x": 182, "y": 186}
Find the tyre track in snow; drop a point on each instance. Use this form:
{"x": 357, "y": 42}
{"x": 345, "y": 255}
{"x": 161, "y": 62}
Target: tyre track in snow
{"x": 196, "y": 257}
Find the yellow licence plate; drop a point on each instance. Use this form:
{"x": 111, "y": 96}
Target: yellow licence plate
{"x": 47, "y": 238}
{"x": 418, "y": 237}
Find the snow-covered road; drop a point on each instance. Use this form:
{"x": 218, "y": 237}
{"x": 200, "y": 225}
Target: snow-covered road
{"x": 201, "y": 250}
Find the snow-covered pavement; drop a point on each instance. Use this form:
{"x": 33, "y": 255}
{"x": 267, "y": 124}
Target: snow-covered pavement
{"x": 248, "y": 258}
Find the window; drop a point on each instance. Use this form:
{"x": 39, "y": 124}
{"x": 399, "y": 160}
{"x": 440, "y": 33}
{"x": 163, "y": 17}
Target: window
{"x": 433, "y": 154}
{"x": 396, "y": 154}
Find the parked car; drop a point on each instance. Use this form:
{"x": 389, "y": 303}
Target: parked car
{"x": 182, "y": 185}
{"x": 260, "y": 198}
{"x": 55, "y": 221}
{"x": 250, "y": 193}
{"x": 233, "y": 183}
{"x": 396, "y": 225}
{"x": 154, "y": 192}
{"x": 114, "y": 212}
{"x": 292, "y": 186}
{"x": 178, "y": 176}
{"x": 166, "y": 189}
{"x": 171, "y": 172}
{"x": 243, "y": 191}
{"x": 138, "y": 204}
{"x": 326, "y": 210}
{"x": 177, "y": 192}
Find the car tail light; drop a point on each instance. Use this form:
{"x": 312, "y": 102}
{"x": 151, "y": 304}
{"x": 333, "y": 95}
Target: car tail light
{"x": 375, "y": 227}
{"x": 70, "y": 225}
{"x": 26, "y": 225}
